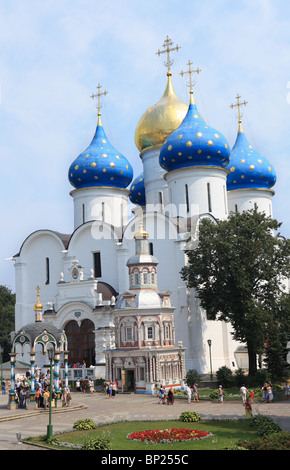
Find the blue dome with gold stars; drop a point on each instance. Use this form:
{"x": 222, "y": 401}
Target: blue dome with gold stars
{"x": 100, "y": 165}
{"x": 194, "y": 143}
{"x": 247, "y": 168}
{"x": 137, "y": 191}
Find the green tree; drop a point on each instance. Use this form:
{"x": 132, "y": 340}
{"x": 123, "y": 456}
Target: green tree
{"x": 7, "y": 319}
{"x": 236, "y": 268}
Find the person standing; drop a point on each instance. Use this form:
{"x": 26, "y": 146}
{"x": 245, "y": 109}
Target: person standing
{"x": 45, "y": 398}
{"x": 270, "y": 393}
{"x": 170, "y": 396}
{"x": 188, "y": 393}
{"x": 110, "y": 389}
{"x": 252, "y": 394}
{"x": 91, "y": 386}
{"x": 64, "y": 396}
{"x": 83, "y": 385}
{"x": 265, "y": 392}
{"x": 244, "y": 392}
{"x": 221, "y": 397}
{"x": 248, "y": 409}
{"x": 78, "y": 385}
{"x": 195, "y": 393}
{"x": 162, "y": 395}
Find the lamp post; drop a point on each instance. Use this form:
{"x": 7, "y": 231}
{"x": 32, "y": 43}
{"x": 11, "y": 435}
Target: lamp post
{"x": 49, "y": 434}
{"x": 209, "y": 345}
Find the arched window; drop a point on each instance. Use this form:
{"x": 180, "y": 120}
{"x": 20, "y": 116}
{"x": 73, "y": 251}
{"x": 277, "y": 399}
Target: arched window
{"x": 81, "y": 342}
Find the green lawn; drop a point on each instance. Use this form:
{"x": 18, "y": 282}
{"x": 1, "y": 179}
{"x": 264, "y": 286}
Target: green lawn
{"x": 225, "y": 433}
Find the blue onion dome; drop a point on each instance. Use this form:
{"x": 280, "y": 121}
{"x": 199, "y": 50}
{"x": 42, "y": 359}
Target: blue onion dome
{"x": 194, "y": 143}
{"x": 137, "y": 191}
{"x": 247, "y": 168}
{"x": 100, "y": 164}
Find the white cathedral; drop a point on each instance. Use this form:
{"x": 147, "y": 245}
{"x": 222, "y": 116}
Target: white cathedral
{"x": 189, "y": 172}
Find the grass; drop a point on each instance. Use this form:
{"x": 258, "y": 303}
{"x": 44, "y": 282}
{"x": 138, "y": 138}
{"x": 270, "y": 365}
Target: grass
{"x": 225, "y": 434}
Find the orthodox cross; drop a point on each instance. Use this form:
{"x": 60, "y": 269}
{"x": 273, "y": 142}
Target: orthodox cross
{"x": 37, "y": 290}
{"x": 238, "y": 105}
{"x": 190, "y": 72}
{"x": 98, "y": 95}
{"x": 167, "y": 43}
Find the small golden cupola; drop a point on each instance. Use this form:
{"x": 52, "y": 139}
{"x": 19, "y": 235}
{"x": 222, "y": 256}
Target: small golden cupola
{"x": 38, "y": 307}
{"x": 161, "y": 119}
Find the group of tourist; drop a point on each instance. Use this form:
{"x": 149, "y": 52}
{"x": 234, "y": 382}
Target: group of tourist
{"x": 82, "y": 385}
{"x": 41, "y": 390}
{"x": 163, "y": 395}
{"x": 111, "y": 388}
{"x": 192, "y": 392}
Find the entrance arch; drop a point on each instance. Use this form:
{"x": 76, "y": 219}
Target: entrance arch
{"x": 81, "y": 342}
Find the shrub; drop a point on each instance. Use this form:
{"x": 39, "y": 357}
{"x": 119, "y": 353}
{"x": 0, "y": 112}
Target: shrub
{"x": 239, "y": 378}
{"x": 265, "y": 425}
{"x": 215, "y": 395}
{"x": 225, "y": 376}
{"x": 98, "y": 443}
{"x": 277, "y": 441}
{"x": 189, "y": 416}
{"x": 84, "y": 424}
{"x": 192, "y": 377}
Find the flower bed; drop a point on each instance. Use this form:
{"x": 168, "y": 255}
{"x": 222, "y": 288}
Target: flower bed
{"x": 168, "y": 435}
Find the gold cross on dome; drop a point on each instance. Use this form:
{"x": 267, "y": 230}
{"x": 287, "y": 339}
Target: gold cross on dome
{"x": 190, "y": 72}
{"x": 167, "y": 43}
{"x": 238, "y": 105}
{"x": 98, "y": 95}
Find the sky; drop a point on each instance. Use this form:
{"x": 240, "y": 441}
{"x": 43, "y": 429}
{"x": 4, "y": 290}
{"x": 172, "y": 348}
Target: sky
{"x": 53, "y": 54}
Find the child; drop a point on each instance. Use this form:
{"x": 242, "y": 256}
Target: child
{"x": 248, "y": 409}
{"x": 252, "y": 396}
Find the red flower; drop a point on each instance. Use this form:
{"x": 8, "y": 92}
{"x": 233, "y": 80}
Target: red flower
{"x": 168, "y": 435}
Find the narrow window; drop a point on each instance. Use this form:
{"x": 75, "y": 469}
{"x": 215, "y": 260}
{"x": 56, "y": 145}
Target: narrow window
{"x": 47, "y": 270}
{"x": 167, "y": 332}
{"x": 136, "y": 279}
{"x": 186, "y": 198}
{"x": 129, "y": 333}
{"x": 150, "y": 332}
{"x": 103, "y": 211}
{"x": 225, "y": 200}
{"x": 145, "y": 278}
{"x": 236, "y": 208}
{"x": 97, "y": 264}
{"x": 208, "y": 197}
{"x": 83, "y": 212}
{"x": 151, "y": 248}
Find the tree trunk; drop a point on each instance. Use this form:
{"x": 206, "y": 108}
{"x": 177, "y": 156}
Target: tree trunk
{"x": 252, "y": 361}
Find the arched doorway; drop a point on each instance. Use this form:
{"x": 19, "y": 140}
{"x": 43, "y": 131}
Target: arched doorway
{"x": 81, "y": 342}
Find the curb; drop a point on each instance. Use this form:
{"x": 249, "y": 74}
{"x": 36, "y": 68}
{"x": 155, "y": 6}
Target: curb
{"x": 35, "y": 413}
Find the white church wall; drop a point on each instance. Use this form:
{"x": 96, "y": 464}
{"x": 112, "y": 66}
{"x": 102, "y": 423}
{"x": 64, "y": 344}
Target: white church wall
{"x": 39, "y": 264}
{"x": 244, "y": 200}
{"x": 91, "y": 238}
{"x": 198, "y": 190}
{"x": 100, "y": 203}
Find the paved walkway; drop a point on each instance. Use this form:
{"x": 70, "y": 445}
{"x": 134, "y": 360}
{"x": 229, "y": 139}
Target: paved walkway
{"x": 123, "y": 407}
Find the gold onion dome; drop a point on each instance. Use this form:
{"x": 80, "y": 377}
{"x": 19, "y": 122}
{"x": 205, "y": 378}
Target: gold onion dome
{"x": 38, "y": 305}
{"x": 160, "y": 120}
